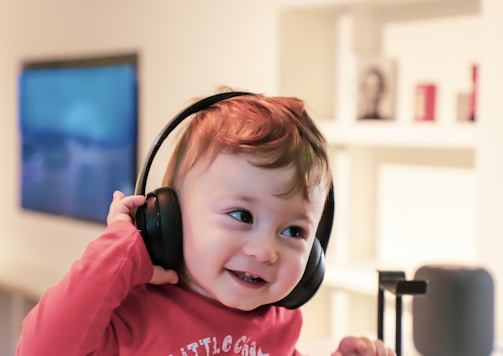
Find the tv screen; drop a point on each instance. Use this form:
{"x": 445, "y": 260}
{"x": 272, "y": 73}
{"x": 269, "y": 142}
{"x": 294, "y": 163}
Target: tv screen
{"x": 78, "y": 123}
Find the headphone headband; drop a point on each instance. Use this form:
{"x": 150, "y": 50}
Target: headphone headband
{"x": 141, "y": 181}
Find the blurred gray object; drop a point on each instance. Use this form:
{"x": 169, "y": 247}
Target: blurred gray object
{"x": 456, "y": 316}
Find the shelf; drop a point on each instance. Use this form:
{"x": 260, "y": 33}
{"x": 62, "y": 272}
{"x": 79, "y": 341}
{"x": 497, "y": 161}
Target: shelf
{"x": 388, "y": 134}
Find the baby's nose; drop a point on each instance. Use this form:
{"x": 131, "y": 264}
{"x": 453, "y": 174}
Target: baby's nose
{"x": 263, "y": 247}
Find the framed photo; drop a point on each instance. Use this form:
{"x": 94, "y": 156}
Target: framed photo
{"x": 376, "y": 89}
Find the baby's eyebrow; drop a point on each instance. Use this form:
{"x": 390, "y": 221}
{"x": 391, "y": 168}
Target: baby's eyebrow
{"x": 238, "y": 197}
{"x": 305, "y": 217}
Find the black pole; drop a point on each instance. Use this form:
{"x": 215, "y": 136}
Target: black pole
{"x": 398, "y": 325}
{"x": 380, "y": 314}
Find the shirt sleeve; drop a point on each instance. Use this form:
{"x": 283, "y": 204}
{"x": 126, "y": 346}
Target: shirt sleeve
{"x": 74, "y": 317}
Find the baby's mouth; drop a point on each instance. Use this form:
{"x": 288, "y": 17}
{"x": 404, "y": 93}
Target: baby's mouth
{"x": 248, "y": 277}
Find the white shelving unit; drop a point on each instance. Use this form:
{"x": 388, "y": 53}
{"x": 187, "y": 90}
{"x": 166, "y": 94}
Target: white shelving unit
{"x": 385, "y": 134}
{"x": 405, "y": 190}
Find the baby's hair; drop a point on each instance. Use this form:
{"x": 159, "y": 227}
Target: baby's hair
{"x": 271, "y": 132}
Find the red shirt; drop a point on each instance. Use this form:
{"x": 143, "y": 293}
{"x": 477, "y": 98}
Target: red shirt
{"x": 104, "y": 306}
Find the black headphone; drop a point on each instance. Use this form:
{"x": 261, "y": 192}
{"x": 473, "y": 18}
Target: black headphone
{"x": 160, "y": 222}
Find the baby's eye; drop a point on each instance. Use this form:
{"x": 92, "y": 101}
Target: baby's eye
{"x": 295, "y": 232}
{"x": 242, "y": 215}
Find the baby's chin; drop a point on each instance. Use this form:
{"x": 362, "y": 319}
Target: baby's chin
{"x": 236, "y": 303}
{"x": 245, "y": 305}
{"x": 229, "y": 301}
{"x": 242, "y": 306}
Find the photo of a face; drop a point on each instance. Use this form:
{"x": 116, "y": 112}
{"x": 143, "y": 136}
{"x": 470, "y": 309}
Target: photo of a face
{"x": 375, "y": 90}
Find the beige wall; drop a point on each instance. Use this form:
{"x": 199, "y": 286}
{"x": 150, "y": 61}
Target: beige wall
{"x": 187, "y": 49}
{"x": 490, "y": 164}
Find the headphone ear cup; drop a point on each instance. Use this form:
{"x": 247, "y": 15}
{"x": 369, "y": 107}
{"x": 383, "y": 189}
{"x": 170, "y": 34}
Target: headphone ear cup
{"x": 311, "y": 279}
{"x": 160, "y": 223}
{"x": 315, "y": 269}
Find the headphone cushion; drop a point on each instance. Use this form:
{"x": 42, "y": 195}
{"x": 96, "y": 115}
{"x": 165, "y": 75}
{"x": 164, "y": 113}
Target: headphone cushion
{"x": 311, "y": 279}
{"x": 160, "y": 223}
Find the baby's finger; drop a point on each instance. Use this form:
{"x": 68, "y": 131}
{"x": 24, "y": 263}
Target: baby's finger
{"x": 163, "y": 276}
{"x": 381, "y": 349}
{"x": 133, "y": 201}
{"x": 351, "y": 346}
{"x": 118, "y": 195}
{"x": 390, "y": 352}
{"x": 370, "y": 347}
{"x": 123, "y": 207}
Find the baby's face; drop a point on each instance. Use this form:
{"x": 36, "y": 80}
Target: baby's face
{"x": 244, "y": 245}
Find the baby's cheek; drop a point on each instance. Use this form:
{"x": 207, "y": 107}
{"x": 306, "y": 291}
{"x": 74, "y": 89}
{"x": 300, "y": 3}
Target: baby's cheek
{"x": 292, "y": 271}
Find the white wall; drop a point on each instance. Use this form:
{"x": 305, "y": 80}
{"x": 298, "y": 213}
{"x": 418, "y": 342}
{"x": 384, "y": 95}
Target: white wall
{"x": 6, "y": 97}
{"x": 490, "y": 164}
{"x": 187, "y": 48}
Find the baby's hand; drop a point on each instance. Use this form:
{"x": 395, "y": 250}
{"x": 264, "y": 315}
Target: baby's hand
{"x": 362, "y": 346}
{"x": 124, "y": 208}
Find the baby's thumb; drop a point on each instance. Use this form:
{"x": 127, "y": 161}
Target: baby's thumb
{"x": 163, "y": 276}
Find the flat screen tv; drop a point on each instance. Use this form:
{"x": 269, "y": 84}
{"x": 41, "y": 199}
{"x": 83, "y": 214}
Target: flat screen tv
{"x": 78, "y": 123}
